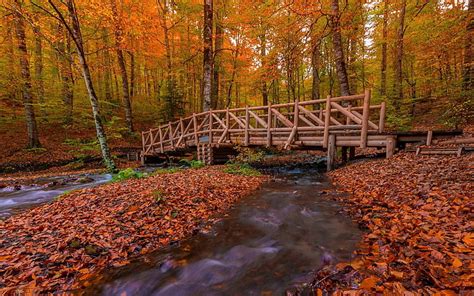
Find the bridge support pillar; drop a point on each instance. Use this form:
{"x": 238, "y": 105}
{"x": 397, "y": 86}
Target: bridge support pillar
{"x": 352, "y": 153}
{"x": 344, "y": 154}
{"x": 331, "y": 158}
{"x": 205, "y": 153}
{"x": 390, "y": 146}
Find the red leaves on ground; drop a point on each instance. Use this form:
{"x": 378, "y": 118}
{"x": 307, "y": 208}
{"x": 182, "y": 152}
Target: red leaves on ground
{"x": 418, "y": 212}
{"x": 56, "y": 247}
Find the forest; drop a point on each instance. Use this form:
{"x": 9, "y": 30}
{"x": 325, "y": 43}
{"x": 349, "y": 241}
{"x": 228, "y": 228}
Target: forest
{"x": 147, "y": 62}
{"x": 177, "y": 147}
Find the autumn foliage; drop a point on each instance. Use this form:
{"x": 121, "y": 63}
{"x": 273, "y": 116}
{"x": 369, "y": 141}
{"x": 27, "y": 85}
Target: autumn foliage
{"x": 417, "y": 212}
{"x": 58, "y": 246}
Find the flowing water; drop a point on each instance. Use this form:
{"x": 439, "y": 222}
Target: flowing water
{"x": 14, "y": 199}
{"x": 267, "y": 243}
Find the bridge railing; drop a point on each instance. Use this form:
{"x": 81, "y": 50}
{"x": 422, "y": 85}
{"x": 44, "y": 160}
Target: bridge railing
{"x": 306, "y": 123}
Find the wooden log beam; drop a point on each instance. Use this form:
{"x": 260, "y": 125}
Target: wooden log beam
{"x": 258, "y": 119}
{"x": 346, "y": 113}
{"x": 195, "y": 126}
{"x": 365, "y": 120}
{"x": 210, "y": 126}
{"x": 390, "y": 147}
{"x": 247, "y": 122}
{"x": 382, "y": 117}
{"x": 327, "y": 121}
{"x": 269, "y": 125}
{"x": 296, "y": 117}
{"x": 371, "y": 124}
{"x": 161, "y": 140}
{"x": 429, "y": 138}
{"x": 331, "y": 157}
{"x": 282, "y": 118}
{"x": 311, "y": 115}
{"x": 239, "y": 122}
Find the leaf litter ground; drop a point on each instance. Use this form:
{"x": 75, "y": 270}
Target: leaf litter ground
{"x": 418, "y": 214}
{"x": 61, "y": 245}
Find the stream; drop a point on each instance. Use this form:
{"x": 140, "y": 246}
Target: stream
{"x": 18, "y": 198}
{"x": 267, "y": 243}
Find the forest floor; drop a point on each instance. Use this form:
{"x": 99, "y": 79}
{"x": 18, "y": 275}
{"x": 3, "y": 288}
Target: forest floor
{"x": 59, "y": 246}
{"x": 417, "y": 211}
{"x": 63, "y": 149}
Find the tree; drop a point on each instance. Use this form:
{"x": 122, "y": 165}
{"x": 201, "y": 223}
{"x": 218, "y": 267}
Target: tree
{"x": 39, "y": 65}
{"x": 315, "y": 57}
{"x": 383, "y": 61}
{"x": 341, "y": 70}
{"x": 207, "y": 56}
{"x": 74, "y": 29}
{"x": 33, "y": 139}
{"x": 398, "y": 82}
{"x": 118, "y": 32}
{"x": 65, "y": 70}
{"x": 468, "y": 67}
{"x": 218, "y": 43}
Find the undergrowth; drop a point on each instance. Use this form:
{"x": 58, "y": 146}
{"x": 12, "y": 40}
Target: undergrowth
{"x": 127, "y": 174}
{"x": 242, "y": 169}
{"x": 194, "y": 164}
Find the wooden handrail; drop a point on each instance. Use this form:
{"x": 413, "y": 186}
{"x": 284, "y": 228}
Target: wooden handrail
{"x": 292, "y": 118}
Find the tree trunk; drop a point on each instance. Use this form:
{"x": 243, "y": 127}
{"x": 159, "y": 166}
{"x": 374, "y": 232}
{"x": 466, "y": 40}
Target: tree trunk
{"x": 33, "y": 139}
{"x": 65, "y": 71}
{"x": 383, "y": 68}
{"x": 207, "y": 59}
{"x": 12, "y": 92}
{"x": 132, "y": 75}
{"x": 75, "y": 31}
{"x": 338, "y": 49}
{"x": 468, "y": 68}
{"x": 39, "y": 70}
{"x": 108, "y": 74}
{"x": 315, "y": 53}
{"x": 123, "y": 70}
{"x": 219, "y": 41}
{"x": 398, "y": 82}
{"x": 169, "y": 75}
{"x": 263, "y": 55}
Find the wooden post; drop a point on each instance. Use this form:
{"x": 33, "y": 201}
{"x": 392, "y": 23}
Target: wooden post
{"x": 196, "y": 139}
{"x": 181, "y": 128}
{"x": 344, "y": 154}
{"x": 247, "y": 119}
{"x": 161, "y": 138}
{"x": 210, "y": 127}
{"x": 390, "y": 147}
{"x": 143, "y": 149}
{"x": 365, "y": 120}
{"x": 382, "y": 117}
{"x": 296, "y": 115}
{"x": 327, "y": 122}
{"x": 227, "y": 123}
{"x": 171, "y": 134}
{"x": 429, "y": 138}
{"x": 348, "y": 119}
{"x": 269, "y": 125}
{"x": 331, "y": 152}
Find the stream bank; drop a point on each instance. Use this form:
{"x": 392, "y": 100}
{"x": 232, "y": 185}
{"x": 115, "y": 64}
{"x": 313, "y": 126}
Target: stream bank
{"x": 267, "y": 244}
{"x": 53, "y": 247}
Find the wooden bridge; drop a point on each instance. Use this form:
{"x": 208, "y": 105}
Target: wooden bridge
{"x": 347, "y": 121}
